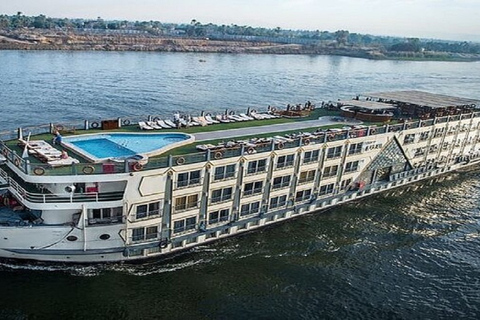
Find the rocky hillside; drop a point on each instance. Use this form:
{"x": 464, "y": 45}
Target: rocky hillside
{"x": 33, "y": 39}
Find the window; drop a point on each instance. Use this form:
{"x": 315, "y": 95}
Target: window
{"x": 250, "y": 208}
{"x": 106, "y": 215}
{"x": 409, "y": 138}
{"x": 303, "y": 195}
{"x": 148, "y": 210}
{"x": 218, "y": 216}
{"x": 334, "y": 152}
{"x": 148, "y": 233}
{"x": 138, "y": 234}
{"x": 256, "y": 166}
{"x": 186, "y": 202}
{"x": 327, "y": 189}
{"x": 355, "y": 148}
{"x": 252, "y": 188}
{"x": 184, "y": 224}
{"x": 285, "y": 161}
{"x": 279, "y": 201}
{"x": 225, "y": 172}
{"x": 330, "y": 171}
{"x": 345, "y": 183}
{"x": 307, "y": 176}
{"x": 151, "y": 233}
{"x": 424, "y": 135}
{"x": 188, "y": 178}
{"x": 351, "y": 166}
{"x": 221, "y": 194}
{"x": 438, "y": 132}
{"x": 419, "y": 152}
{"x": 311, "y": 156}
{"x": 281, "y": 182}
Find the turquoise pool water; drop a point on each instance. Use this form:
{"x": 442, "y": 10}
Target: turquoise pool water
{"x": 122, "y": 145}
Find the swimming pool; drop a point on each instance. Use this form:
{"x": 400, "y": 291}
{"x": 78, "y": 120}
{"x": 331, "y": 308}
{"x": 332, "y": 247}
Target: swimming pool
{"x": 98, "y": 147}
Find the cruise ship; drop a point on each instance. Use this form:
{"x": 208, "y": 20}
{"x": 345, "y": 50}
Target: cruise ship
{"x": 120, "y": 190}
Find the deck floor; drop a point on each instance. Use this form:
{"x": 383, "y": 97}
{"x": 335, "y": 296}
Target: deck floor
{"x": 248, "y": 131}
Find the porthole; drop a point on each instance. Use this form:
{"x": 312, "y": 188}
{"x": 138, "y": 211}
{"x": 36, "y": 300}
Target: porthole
{"x": 105, "y": 236}
{"x": 72, "y": 238}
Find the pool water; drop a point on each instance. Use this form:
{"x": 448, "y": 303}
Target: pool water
{"x": 122, "y": 145}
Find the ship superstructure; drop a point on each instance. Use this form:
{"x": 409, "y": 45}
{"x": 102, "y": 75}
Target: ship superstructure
{"x": 133, "y": 207}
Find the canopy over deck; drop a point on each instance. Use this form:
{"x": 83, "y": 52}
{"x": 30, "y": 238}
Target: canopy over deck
{"x": 424, "y": 99}
{"x": 369, "y": 105}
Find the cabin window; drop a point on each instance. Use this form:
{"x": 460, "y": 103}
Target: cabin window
{"x": 409, "y": 138}
{"x": 148, "y": 210}
{"x": 252, "y": 188}
{"x": 285, "y": 161}
{"x": 281, "y": 182}
{"x": 326, "y": 189}
{"x": 351, "y": 166}
{"x": 257, "y": 166}
{"x": 279, "y": 201}
{"x": 138, "y": 234}
{"x": 311, "y": 156}
{"x": 433, "y": 148}
{"x": 330, "y": 171}
{"x": 345, "y": 183}
{"x": 355, "y": 148}
{"x": 250, "y": 208}
{"x": 146, "y": 233}
{"x": 106, "y": 215}
{"x": 184, "y": 224}
{"x": 439, "y": 132}
{"x": 334, "y": 152}
{"x": 218, "y": 216}
{"x": 419, "y": 152}
{"x": 151, "y": 233}
{"x": 424, "y": 135}
{"x": 307, "y": 176}
{"x": 188, "y": 178}
{"x": 303, "y": 195}
{"x": 186, "y": 202}
{"x": 225, "y": 172}
{"x": 220, "y": 195}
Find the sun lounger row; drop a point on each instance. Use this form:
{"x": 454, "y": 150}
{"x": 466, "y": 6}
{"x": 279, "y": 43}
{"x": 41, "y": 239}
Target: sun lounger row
{"x": 46, "y": 153}
{"x": 203, "y": 121}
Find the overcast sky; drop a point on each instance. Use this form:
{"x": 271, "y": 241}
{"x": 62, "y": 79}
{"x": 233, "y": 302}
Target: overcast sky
{"x": 443, "y": 19}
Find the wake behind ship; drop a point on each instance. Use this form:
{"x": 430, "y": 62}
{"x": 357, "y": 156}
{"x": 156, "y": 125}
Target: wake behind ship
{"x": 120, "y": 189}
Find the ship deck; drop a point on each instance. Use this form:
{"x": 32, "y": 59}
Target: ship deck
{"x": 233, "y": 139}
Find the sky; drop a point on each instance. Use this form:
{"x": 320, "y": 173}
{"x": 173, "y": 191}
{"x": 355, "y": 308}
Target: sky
{"x": 438, "y": 19}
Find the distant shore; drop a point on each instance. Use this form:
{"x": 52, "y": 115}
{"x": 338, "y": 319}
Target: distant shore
{"x": 26, "y": 39}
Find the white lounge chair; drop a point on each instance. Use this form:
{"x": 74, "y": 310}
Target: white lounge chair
{"x": 235, "y": 118}
{"x": 210, "y": 119}
{"x": 248, "y": 118}
{"x": 170, "y": 123}
{"x": 201, "y": 121}
{"x": 223, "y": 118}
{"x": 257, "y": 116}
{"x": 63, "y": 162}
{"x": 163, "y": 124}
{"x": 154, "y": 125}
{"x": 144, "y": 126}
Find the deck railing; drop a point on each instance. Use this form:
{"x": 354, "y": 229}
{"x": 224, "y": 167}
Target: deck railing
{"x": 56, "y": 198}
{"x": 197, "y": 157}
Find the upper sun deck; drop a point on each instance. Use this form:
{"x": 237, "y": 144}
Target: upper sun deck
{"x": 216, "y": 138}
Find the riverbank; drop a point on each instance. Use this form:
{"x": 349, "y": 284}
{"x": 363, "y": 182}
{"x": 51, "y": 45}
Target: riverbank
{"x": 34, "y": 39}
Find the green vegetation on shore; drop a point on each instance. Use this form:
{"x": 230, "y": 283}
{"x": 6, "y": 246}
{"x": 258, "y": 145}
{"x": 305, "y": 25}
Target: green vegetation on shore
{"x": 20, "y": 32}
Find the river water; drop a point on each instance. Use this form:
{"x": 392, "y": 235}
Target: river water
{"x": 413, "y": 254}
